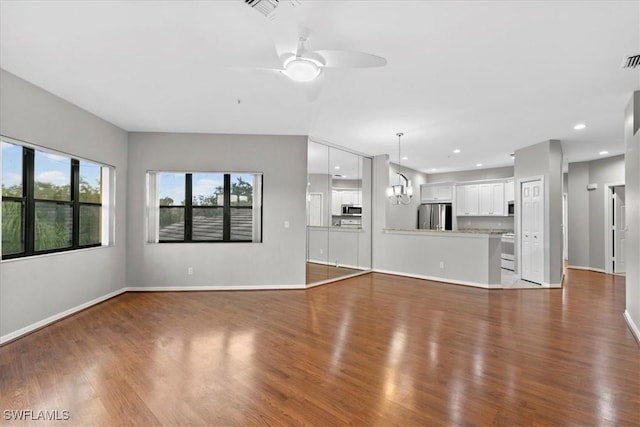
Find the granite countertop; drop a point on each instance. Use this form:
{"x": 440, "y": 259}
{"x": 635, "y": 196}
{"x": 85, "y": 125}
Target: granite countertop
{"x": 460, "y": 231}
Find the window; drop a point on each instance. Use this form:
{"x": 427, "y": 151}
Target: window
{"x": 206, "y": 207}
{"x": 50, "y": 202}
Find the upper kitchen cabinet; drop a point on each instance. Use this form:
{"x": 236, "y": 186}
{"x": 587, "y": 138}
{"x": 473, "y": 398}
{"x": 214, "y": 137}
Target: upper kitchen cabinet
{"x": 467, "y": 200}
{"x": 436, "y": 193}
{"x": 483, "y": 198}
{"x": 509, "y": 191}
{"x": 491, "y": 199}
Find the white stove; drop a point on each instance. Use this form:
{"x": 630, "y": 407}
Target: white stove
{"x": 508, "y": 251}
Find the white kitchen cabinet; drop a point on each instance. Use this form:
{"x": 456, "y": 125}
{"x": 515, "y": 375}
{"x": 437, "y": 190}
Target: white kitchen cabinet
{"x": 430, "y": 193}
{"x": 491, "y": 199}
{"x": 344, "y": 197}
{"x": 467, "y": 200}
{"x": 509, "y": 191}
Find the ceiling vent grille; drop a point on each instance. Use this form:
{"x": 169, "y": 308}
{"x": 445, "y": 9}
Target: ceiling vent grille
{"x": 631, "y": 62}
{"x": 265, "y": 7}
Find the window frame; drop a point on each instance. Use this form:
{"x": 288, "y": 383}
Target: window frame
{"x": 29, "y": 201}
{"x": 226, "y": 208}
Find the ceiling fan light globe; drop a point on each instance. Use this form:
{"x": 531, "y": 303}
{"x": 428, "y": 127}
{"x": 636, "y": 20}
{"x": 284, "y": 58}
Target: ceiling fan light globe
{"x": 301, "y": 70}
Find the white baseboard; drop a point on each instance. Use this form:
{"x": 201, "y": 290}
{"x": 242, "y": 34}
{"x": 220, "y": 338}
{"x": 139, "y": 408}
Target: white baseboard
{"x": 44, "y": 322}
{"x": 213, "y": 288}
{"x": 441, "y": 279}
{"x": 579, "y": 267}
{"x": 336, "y": 279}
{"x": 634, "y": 328}
{"x": 333, "y": 264}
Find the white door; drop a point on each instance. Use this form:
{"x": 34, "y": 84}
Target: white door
{"x": 531, "y": 240}
{"x": 315, "y": 209}
{"x": 619, "y": 230}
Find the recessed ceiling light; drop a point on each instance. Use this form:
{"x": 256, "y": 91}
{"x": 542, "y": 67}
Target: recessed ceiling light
{"x": 337, "y": 168}
{"x": 433, "y": 169}
{"x": 603, "y": 152}
{"x": 580, "y": 126}
{"x": 457, "y": 150}
{"x": 405, "y": 158}
{"x": 478, "y": 164}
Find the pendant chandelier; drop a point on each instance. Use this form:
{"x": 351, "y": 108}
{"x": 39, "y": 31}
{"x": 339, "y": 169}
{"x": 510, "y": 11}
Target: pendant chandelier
{"x": 400, "y": 193}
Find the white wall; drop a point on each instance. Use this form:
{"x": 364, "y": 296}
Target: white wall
{"x": 632, "y": 178}
{"x": 279, "y": 261}
{"x": 38, "y": 288}
{"x": 587, "y": 209}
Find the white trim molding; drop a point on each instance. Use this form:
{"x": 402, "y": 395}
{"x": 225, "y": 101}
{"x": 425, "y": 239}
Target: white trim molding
{"x": 442, "y": 279}
{"x": 579, "y": 267}
{"x": 214, "y": 288}
{"x": 634, "y": 328}
{"x": 51, "y": 319}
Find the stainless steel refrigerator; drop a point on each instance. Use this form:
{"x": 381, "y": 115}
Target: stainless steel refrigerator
{"x": 435, "y": 216}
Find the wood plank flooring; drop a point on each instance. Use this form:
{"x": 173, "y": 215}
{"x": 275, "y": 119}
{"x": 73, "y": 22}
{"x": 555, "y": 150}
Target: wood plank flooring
{"x": 371, "y": 350}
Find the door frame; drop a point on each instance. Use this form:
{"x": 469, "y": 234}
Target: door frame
{"x": 608, "y": 206}
{"x": 518, "y": 243}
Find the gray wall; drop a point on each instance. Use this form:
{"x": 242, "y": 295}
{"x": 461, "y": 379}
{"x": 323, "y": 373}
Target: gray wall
{"x": 36, "y": 288}
{"x": 279, "y": 261}
{"x": 632, "y": 179}
{"x": 587, "y": 209}
{"x": 578, "y": 213}
{"x": 404, "y": 216}
{"x": 545, "y": 159}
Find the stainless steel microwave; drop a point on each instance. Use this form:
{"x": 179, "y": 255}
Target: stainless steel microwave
{"x": 511, "y": 208}
{"x": 352, "y": 210}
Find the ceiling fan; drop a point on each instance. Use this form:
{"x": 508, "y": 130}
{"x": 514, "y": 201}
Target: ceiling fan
{"x": 299, "y": 63}
{"x": 303, "y": 65}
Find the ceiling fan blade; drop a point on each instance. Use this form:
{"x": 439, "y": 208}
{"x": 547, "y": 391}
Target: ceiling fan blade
{"x": 315, "y": 87}
{"x": 350, "y": 59}
{"x": 284, "y": 30}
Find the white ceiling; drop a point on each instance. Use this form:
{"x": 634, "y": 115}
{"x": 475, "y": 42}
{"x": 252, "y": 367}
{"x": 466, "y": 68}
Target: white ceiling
{"x": 485, "y": 77}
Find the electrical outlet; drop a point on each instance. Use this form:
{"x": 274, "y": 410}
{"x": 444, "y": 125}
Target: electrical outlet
{"x": 190, "y": 271}
{"x": 321, "y": 251}
{"x": 441, "y": 264}
{"x": 286, "y": 224}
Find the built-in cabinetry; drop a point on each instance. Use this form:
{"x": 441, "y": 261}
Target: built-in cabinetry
{"x": 344, "y": 197}
{"x": 467, "y": 202}
{"x": 436, "y": 193}
{"x": 487, "y": 198}
{"x": 491, "y": 199}
{"x": 509, "y": 191}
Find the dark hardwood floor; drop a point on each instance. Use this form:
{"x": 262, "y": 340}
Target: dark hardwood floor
{"x": 372, "y": 350}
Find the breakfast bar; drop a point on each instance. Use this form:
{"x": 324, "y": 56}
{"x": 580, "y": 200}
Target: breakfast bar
{"x": 465, "y": 257}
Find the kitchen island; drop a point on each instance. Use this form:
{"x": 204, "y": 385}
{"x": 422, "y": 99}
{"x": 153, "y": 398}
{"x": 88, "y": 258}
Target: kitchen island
{"x": 465, "y": 257}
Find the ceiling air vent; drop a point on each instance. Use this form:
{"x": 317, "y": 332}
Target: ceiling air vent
{"x": 265, "y": 7}
{"x": 631, "y": 62}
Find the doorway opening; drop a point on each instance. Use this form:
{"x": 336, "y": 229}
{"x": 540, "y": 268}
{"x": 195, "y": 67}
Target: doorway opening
{"x": 615, "y": 228}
